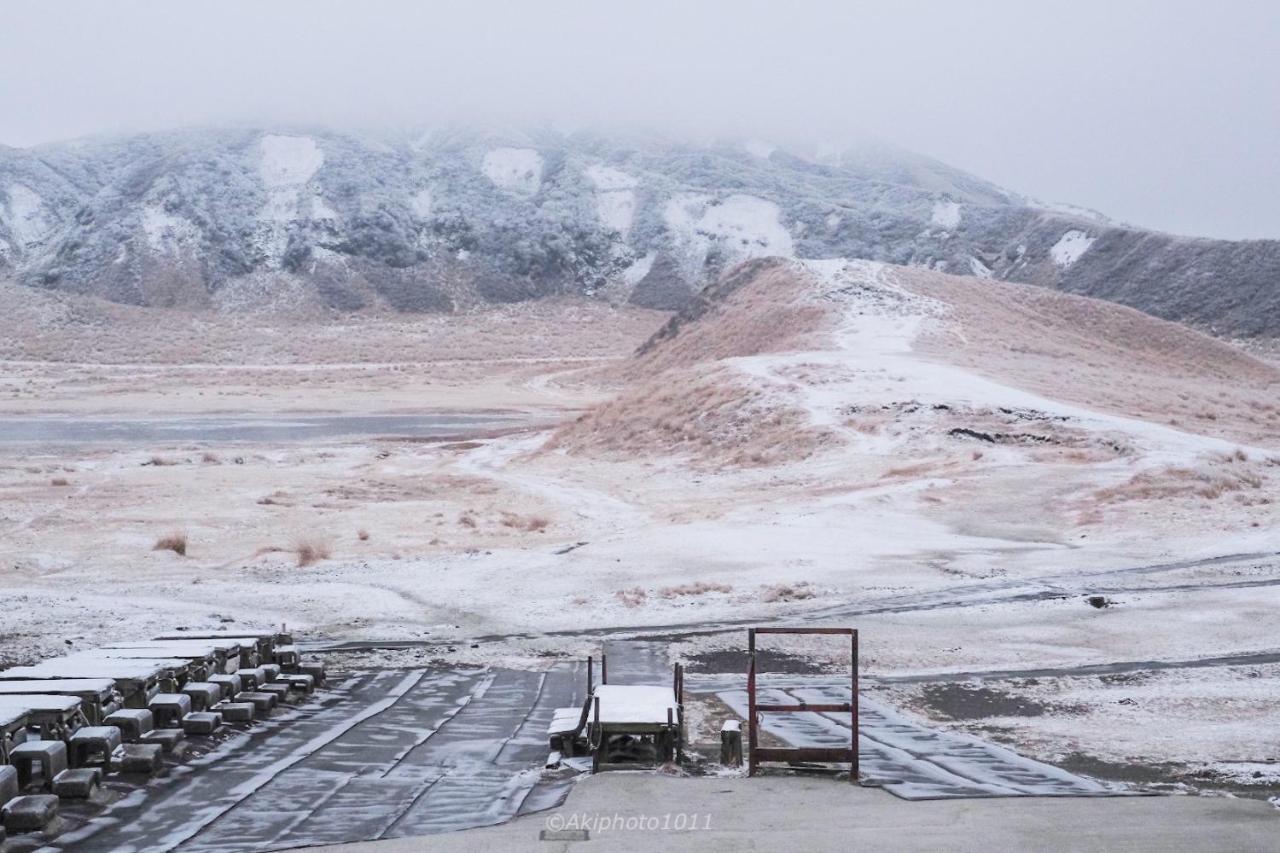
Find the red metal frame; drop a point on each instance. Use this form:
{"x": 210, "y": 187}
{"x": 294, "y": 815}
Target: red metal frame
{"x": 825, "y": 754}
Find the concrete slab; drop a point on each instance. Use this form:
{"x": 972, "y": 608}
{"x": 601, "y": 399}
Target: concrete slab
{"x": 263, "y": 703}
{"x": 236, "y": 712}
{"x": 201, "y": 723}
{"x": 204, "y": 694}
{"x": 141, "y": 758}
{"x": 94, "y": 743}
{"x": 49, "y": 755}
{"x": 315, "y": 670}
{"x": 77, "y": 784}
{"x": 298, "y": 682}
{"x": 133, "y": 723}
{"x": 30, "y": 813}
{"x": 8, "y": 783}
{"x": 278, "y": 689}
{"x": 169, "y": 709}
{"x": 167, "y": 739}
{"x": 641, "y": 812}
{"x": 231, "y": 684}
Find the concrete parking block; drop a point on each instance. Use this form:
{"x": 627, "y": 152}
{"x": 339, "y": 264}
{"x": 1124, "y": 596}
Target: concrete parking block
{"x": 77, "y": 784}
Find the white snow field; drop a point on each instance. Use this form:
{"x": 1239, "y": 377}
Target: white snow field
{"x": 517, "y": 170}
{"x": 26, "y": 216}
{"x": 1068, "y": 250}
{"x": 955, "y": 467}
{"x": 946, "y": 214}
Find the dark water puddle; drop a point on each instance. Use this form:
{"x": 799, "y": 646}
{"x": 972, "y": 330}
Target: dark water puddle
{"x": 62, "y": 430}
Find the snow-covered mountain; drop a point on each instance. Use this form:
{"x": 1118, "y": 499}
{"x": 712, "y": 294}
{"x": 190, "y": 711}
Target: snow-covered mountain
{"x": 250, "y": 218}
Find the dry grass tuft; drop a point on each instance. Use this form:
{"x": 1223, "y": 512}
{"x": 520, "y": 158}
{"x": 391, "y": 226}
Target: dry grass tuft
{"x": 1182, "y": 482}
{"x": 633, "y": 597}
{"x": 175, "y": 542}
{"x": 787, "y": 592}
{"x": 692, "y": 589}
{"x": 713, "y": 416}
{"x": 362, "y": 535}
{"x": 531, "y": 524}
{"x": 311, "y": 551}
{"x": 59, "y": 481}
{"x": 210, "y": 458}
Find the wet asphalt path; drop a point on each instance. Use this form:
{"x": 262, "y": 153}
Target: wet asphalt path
{"x": 381, "y": 755}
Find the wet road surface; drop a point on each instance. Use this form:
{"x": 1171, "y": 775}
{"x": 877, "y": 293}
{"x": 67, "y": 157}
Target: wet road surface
{"x": 383, "y": 755}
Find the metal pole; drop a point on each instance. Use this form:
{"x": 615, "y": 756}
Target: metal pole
{"x": 751, "y": 700}
{"x": 590, "y": 675}
{"x": 604, "y": 668}
{"x": 853, "y": 704}
{"x": 597, "y": 737}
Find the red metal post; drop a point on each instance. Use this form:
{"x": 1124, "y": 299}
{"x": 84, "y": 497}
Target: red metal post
{"x": 752, "y": 737}
{"x": 820, "y": 754}
{"x": 853, "y": 707}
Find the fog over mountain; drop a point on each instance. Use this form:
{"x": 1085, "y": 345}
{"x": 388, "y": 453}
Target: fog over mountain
{"x": 1158, "y": 112}
{"x": 439, "y": 220}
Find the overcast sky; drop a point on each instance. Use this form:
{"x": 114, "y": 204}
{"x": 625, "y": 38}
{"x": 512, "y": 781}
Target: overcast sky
{"x": 1162, "y": 113}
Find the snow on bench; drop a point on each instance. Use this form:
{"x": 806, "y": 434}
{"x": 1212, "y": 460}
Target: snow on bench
{"x": 564, "y": 720}
{"x": 633, "y": 704}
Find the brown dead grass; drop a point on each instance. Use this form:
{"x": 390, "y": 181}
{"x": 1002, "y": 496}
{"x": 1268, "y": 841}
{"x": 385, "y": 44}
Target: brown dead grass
{"x": 694, "y": 589}
{"x": 757, "y": 307}
{"x": 1100, "y": 355}
{"x": 708, "y": 414}
{"x": 175, "y": 542}
{"x": 311, "y": 551}
{"x": 60, "y": 481}
{"x": 529, "y": 524}
{"x": 634, "y": 597}
{"x": 1221, "y": 476}
{"x": 787, "y": 592}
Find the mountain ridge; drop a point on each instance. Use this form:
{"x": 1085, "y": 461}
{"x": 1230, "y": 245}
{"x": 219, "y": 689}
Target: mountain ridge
{"x": 245, "y": 218}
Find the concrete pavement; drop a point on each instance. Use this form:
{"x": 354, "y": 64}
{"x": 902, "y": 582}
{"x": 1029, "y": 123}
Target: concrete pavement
{"x": 817, "y": 814}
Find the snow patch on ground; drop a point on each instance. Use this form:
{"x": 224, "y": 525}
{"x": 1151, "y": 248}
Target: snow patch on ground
{"x": 285, "y": 165}
{"x": 740, "y": 227}
{"x": 166, "y": 232}
{"x": 26, "y": 216}
{"x": 638, "y": 270}
{"x": 606, "y": 178}
{"x": 754, "y": 223}
{"x": 1070, "y": 247}
{"x": 880, "y": 322}
{"x": 517, "y": 170}
{"x": 288, "y": 160}
{"x": 759, "y": 148}
{"x": 421, "y": 203}
{"x": 978, "y": 268}
{"x": 1075, "y": 210}
{"x": 615, "y": 197}
{"x": 946, "y": 214}
{"x": 320, "y": 209}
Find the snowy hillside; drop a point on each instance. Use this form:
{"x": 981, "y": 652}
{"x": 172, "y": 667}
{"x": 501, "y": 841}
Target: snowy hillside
{"x": 246, "y": 219}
